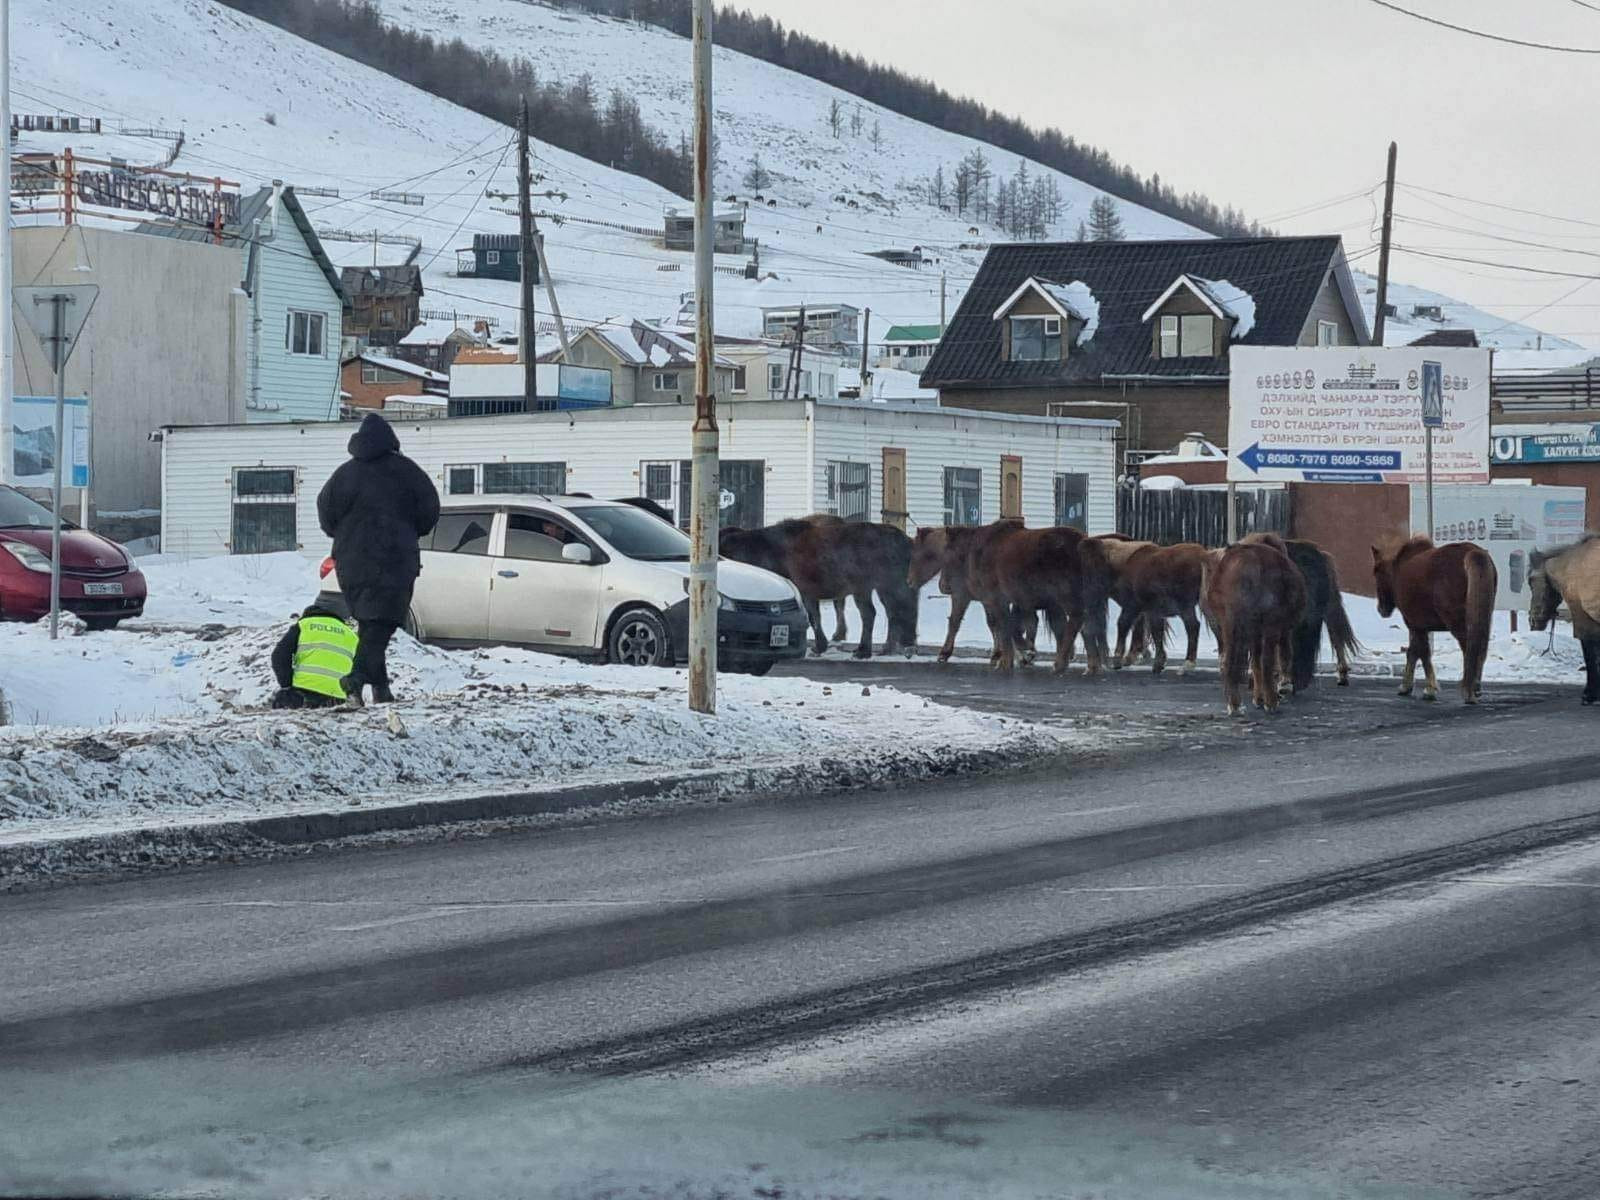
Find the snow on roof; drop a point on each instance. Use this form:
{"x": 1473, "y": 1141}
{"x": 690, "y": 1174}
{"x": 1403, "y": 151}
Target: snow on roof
{"x": 425, "y": 400}
{"x": 1161, "y": 483}
{"x": 403, "y": 367}
{"x": 623, "y": 342}
{"x": 1077, "y": 299}
{"x": 1234, "y": 301}
{"x": 659, "y": 356}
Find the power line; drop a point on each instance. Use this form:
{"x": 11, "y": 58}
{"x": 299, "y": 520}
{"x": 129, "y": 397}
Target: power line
{"x": 1502, "y": 265}
{"x": 1493, "y": 37}
{"x": 1527, "y": 212}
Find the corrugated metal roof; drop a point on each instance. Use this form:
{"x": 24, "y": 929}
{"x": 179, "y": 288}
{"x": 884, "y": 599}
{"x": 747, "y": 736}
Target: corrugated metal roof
{"x": 912, "y": 333}
{"x": 1283, "y": 275}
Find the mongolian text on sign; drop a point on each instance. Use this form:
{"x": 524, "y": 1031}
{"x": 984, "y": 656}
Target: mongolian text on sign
{"x": 1354, "y": 414}
{"x": 1578, "y": 443}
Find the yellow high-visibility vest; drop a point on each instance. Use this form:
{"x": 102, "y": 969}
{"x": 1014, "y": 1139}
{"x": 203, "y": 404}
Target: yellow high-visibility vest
{"x": 325, "y": 655}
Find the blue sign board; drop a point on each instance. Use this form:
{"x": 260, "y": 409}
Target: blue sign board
{"x": 1432, "y": 394}
{"x": 1280, "y": 458}
{"x": 1578, "y": 444}
{"x": 33, "y": 441}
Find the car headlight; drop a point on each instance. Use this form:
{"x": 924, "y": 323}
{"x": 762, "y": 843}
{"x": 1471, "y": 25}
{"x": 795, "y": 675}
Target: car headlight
{"x": 28, "y": 556}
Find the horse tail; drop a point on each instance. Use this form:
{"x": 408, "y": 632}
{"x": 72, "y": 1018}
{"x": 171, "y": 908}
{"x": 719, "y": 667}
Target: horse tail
{"x": 1340, "y": 634}
{"x": 1482, "y": 583}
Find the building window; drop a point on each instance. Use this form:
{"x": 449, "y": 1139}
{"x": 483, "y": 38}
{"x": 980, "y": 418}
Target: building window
{"x": 491, "y": 258}
{"x": 828, "y": 388}
{"x": 386, "y": 316}
{"x": 666, "y": 381}
{"x": 303, "y": 333}
{"x": 849, "y": 488}
{"x": 739, "y": 387}
{"x": 775, "y": 373}
{"x": 372, "y": 374}
{"x": 1035, "y": 339}
{"x": 1072, "y": 501}
{"x": 542, "y": 478}
{"x": 263, "y": 510}
{"x": 1169, "y": 337}
{"x": 805, "y": 384}
{"x": 963, "y": 496}
{"x": 1189, "y": 336}
{"x": 1327, "y": 333}
{"x": 667, "y": 482}
{"x": 460, "y": 481}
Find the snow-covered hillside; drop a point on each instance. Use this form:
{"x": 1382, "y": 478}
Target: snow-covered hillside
{"x": 256, "y": 104}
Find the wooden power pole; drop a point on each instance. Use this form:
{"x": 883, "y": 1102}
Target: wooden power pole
{"x": 705, "y": 513}
{"x": 527, "y": 259}
{"x": 1383, "y": 251}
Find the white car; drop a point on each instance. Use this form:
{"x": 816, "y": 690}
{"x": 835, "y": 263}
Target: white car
{"x": 590, "y": 578}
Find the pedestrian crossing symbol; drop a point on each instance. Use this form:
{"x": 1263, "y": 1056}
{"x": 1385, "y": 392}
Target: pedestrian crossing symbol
{"x": 1432, "y": 395}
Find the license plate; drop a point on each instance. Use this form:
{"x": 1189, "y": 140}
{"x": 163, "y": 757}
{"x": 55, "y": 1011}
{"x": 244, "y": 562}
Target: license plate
{"x": 780, "y": 635}
{"x": 115, "y": 589}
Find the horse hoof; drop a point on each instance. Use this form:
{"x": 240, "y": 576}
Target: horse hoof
{"x": 1430, "y": 697}
{"x": 1188, "y": 666}
{"x": 862, "y": 654}
{"x": 1588, "y": 699}
{"x": 1344, "y": 681}
{"x": 1233, "y": 710}
{"x": 1405, "y": 691}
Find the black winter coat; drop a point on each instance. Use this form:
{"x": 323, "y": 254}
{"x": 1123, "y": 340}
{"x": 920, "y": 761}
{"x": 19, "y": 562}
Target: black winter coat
{"x": 375, "y": 507}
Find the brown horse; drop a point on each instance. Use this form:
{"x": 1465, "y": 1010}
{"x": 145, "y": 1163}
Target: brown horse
{"x": 1439, "y": 588}
{"x": 1254, "y": 595}
{"x": 1571, "y": 575}
{"x": 1154, "y": 583}
{"x": 1324, "y": 607}
{"x": 824, "y": 560}
{"x": 1013, "y": 571}
{"x": 772, "y": 550}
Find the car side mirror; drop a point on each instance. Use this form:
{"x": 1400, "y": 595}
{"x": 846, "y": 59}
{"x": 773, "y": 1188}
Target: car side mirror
{"x": 577, "y": 552}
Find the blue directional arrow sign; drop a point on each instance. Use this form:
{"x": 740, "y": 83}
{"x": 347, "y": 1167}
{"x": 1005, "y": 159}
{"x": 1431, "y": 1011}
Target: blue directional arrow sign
{"x": 1287, "y": 459}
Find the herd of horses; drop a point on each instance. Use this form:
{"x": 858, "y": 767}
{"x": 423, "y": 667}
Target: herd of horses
{"x": 1267, "y": 599}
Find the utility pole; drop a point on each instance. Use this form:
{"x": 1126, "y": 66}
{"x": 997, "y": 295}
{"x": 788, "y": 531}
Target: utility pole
{"x": 1383, "y": 251}
{"x": 550, "y": 289}
{"x": 866, "y": 331}
{"x": 941, "y": 303}
{"x": 528, "y": 343}
{"x": 6, "y": 365}
{"x": 705, "y": 513}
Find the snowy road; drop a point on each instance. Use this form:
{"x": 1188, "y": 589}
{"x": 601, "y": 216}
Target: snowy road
{"x": 1365, "y": 955}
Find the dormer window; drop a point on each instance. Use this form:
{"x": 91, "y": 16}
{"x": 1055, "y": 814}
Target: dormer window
{"x": 1035, "y": 339}
{"x": 1188, "y": 335}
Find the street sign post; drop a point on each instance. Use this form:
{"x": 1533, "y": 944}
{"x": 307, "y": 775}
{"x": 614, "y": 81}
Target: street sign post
{"x": 1348, "y": 414}
{"x": 1432, "y": 417}
{"x": 56, "y": 315}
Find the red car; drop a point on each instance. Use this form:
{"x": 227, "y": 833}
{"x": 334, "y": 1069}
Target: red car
{"x": 98, "y": 579}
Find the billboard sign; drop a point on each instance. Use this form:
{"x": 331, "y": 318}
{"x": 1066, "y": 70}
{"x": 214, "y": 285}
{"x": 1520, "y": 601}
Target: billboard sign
{"x": 1353, "y": 414}
{"x": 33, "y": 441}
{"x": 1509, "y": 520}
{"x": 1572, "y": 443}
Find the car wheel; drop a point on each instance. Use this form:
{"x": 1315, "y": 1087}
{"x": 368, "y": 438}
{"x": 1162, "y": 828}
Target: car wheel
{"x": 412, "y": 629}
{"x": 639, "y": 639}
{"x": 100, "y": 623}
{"x": 760, "y": 667}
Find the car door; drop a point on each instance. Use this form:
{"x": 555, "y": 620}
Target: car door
{"x": 452, "y": 595}
{"x": 538, "y": 598}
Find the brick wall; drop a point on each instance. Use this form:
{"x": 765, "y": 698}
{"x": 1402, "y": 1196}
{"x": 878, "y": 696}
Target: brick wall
{"x": 1347, "y": 520}
{"x": 371, "y": 395}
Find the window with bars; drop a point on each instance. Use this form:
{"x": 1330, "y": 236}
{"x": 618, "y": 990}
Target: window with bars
{"x": 549, "y": 478}
{"x": 460, "y": 481}
{"x": 849, "y": 488}
{"x": 963, "y": 496}
{"x": 1072, "y": 501}
{"x": 263, "y": 510}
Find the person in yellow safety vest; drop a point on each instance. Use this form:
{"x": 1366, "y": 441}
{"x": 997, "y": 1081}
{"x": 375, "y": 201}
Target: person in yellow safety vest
{"x": 313, "y": 655}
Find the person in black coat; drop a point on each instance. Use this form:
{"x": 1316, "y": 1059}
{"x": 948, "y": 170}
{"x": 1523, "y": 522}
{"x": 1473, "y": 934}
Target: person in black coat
{"x": 375, "y": 508}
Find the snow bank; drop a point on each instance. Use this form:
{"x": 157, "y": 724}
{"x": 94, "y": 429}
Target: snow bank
{"x": 1077, "y": 298}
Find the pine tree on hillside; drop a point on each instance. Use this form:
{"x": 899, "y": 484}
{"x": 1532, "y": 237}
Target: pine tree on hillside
{"x": 936, "y": 186}
{"x": 856, "y": 121}
{"x": 757, "y": 178}
{"x": 963, "y": 186}
{"x": 835, "y": 116}
{"x": 877, "y": 137}
{"x": 1105, "y": 225}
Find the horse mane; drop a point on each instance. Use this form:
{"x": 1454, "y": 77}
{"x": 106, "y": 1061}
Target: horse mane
{"x": 1119, "y": 550}
{"x": 1539, "y": 556}
{"x": 1415, "y": 544}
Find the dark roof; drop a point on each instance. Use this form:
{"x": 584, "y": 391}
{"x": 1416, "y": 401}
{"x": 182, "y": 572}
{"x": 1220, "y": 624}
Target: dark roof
{"x": 1282, "y": 276}
{"x": 382, "y": 281}
{"x": 1449, "y": 337}
{"x": 254, "y": 208}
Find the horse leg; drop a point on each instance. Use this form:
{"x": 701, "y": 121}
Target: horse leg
{"x": 1158, "y": 639}
{"x": 958, "y": 613}
{"x": 1258, "y": 686}
{"x": 869, "y": 618}
{"x": 1059, "y": 629}
{"x": 814, "y": 615}
{"x": 1412, "y": 655}
{"x": 1127, "y": 619}
{"x": 1343, "y": 659}
{"x": 1191, "y": 627}
{"x": 1067, "y": 639}
{"x": 998, "y": 616}
{"x": 1273, "y": 678}
{"x": 1591, "y": 669}
{"x": 1028, "y": 633}
{"x": 1284, "y": 663}
{"x": 1473, "y": 651}
{"x": 1235, "y": 665}
{"x": 1430, "y": 685}
{"x": 841, "y": 629}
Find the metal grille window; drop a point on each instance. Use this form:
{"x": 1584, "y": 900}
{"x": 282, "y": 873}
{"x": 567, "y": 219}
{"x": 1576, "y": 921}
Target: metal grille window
{"x": 1072, "y": 501}
{"x": 263, "y": 510}
{"x": 549, "y": 478}
{"x": 460, "y": 481}
{"x": 963, "y": 496}
{"x": 849, "y": 485}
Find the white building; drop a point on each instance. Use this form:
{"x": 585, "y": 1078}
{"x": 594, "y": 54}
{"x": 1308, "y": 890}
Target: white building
{"x": 249, "y": 488}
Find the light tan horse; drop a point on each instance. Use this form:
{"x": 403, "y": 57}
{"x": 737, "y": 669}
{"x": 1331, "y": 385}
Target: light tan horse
{"x": 1571, "y": 575}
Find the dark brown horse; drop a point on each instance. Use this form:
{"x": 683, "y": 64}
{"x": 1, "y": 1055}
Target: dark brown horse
{"x": 1439, "y": 588}
{"x": 1013, "y": 571}
{"x": 1154, "y": 583}
{"x": 824, "y": 560}
{"x": 942, "y": 550}
{"x": 773, "y": 547}
{"x": 1254, "y": 595}
{"x": 1324, "y": 608}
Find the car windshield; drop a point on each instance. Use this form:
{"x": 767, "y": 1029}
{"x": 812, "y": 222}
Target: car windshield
{"x": 635, "y": 533}
{"x": 19, "y": 512}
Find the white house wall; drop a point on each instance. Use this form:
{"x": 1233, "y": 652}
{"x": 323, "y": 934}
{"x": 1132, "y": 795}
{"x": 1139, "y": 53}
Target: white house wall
{"x": 935, "y": 438}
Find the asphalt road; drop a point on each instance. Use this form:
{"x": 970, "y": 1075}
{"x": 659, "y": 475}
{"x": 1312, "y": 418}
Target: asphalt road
{"x": 1352, "y": 944}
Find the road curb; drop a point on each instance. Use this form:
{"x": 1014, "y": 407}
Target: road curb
{"x": 49, "y": 862}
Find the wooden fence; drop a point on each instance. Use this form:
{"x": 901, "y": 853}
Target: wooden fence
{"x": 1171, "y": 515}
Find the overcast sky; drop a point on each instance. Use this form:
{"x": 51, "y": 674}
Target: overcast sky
{"x": 1278, "y": 105}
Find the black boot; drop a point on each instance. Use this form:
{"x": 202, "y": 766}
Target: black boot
{"x": 352, "y": 685}
{"x": 381, "y": 694}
